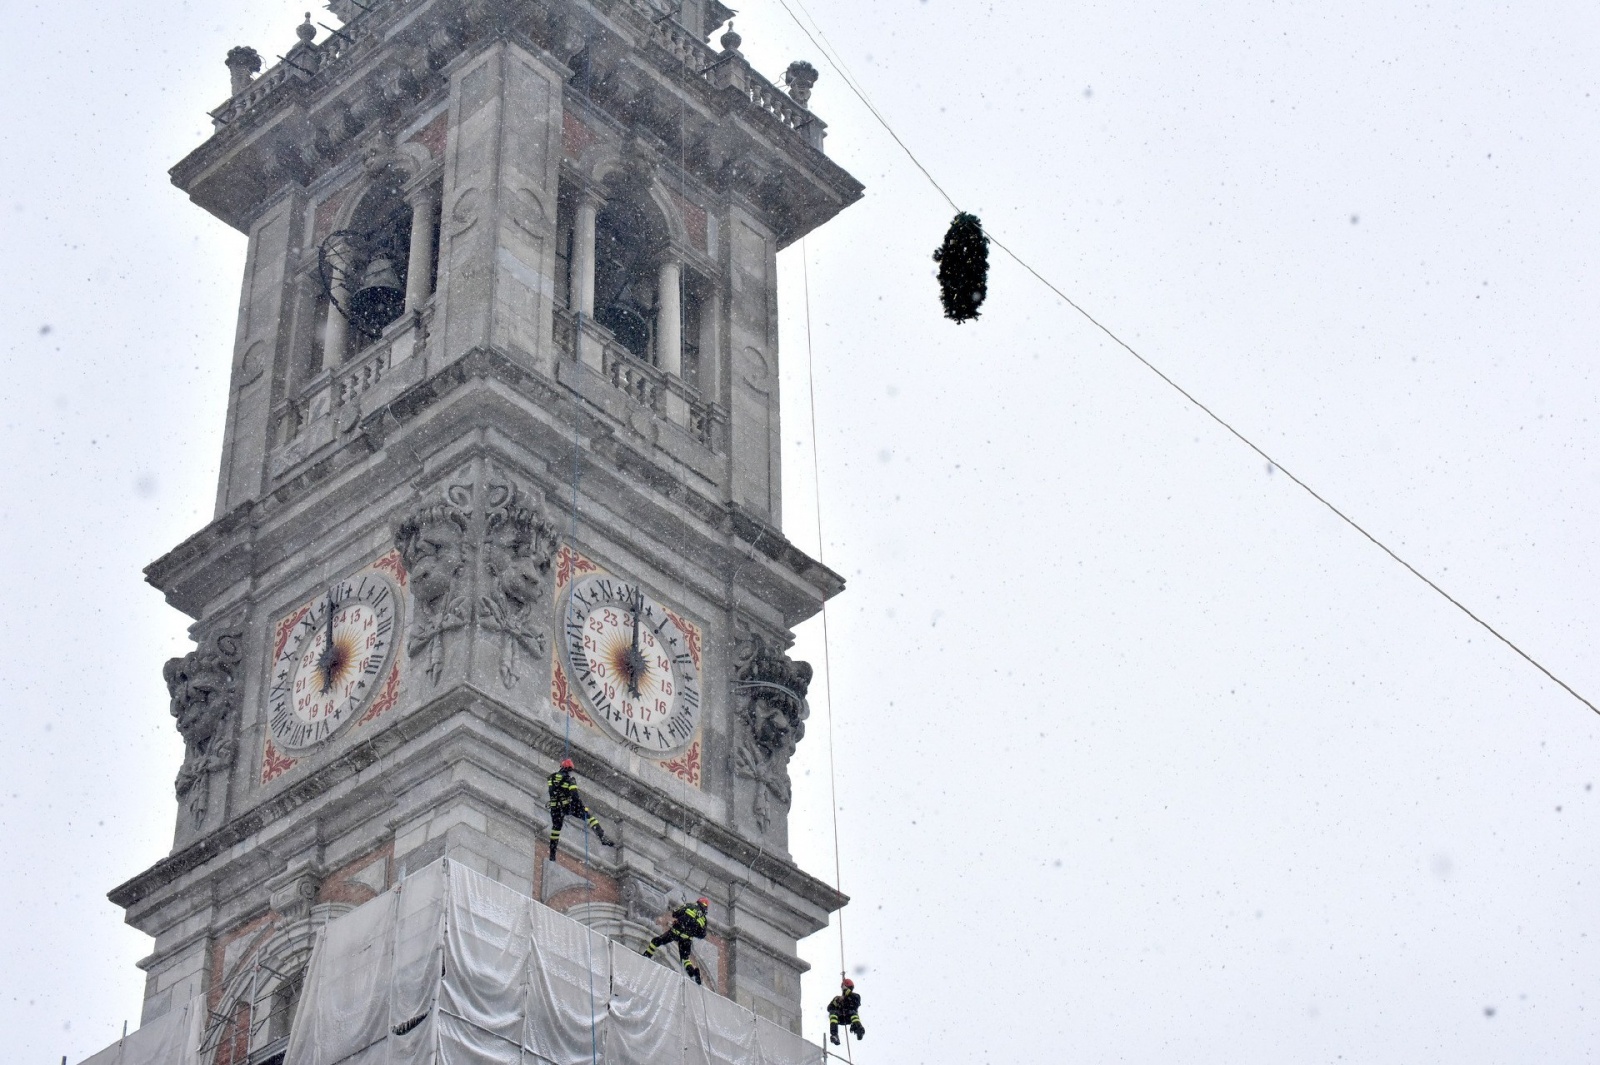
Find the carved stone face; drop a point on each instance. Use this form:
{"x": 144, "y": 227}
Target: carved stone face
{"x": 775, "y": 710}
{"x": 518, "y": 553}
{"x": 773, "y": 724}
{"x": 196, "y": 683}
{"x": 432, "y": 548}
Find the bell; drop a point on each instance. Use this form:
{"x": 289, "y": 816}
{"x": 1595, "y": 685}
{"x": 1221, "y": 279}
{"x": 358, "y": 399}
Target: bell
{"x": 380, "y": 299}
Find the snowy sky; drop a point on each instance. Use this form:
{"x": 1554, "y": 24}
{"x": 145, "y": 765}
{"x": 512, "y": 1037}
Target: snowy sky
{"x": 1141, "y": 753}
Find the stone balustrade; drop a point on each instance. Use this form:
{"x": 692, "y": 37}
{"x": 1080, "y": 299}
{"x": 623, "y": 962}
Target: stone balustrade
{"x": 309, "y": 419}
{"x": 664, "y": 395}
{"x": 303, "y": 63}
{"x": 768, "y": 97}
{"x": 721, "y": 70}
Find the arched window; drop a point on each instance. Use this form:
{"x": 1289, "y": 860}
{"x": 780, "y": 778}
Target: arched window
{"x": 629, "y": 237}
{"x": 285, "y": 1002}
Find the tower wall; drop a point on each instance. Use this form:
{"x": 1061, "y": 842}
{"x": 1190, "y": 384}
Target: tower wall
{"x": 578, "y": 400}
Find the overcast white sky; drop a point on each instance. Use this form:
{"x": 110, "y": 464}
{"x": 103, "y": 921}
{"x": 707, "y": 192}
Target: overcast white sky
{"x": 1141, "y": 754}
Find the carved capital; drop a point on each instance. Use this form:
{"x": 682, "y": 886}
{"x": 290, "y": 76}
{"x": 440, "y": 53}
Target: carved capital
{"x": 295, "y": 892}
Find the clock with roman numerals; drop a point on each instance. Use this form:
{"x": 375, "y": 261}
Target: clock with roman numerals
{"x": 332, "y": 661}
{"x": 632, "y": 658}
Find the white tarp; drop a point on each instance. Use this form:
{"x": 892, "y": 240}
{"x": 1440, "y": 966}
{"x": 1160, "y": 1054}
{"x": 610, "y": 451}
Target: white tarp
{"x": 373, "y": 973}
{"x": 452, "y": 968}
{"x": 171, "y": 1039}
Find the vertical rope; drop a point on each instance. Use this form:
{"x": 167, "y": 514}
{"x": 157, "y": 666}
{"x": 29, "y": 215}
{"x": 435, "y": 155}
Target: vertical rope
{"x": 572, "y": 526}
{"x": 827, "y": 660}
{"x": 572, "y": 545}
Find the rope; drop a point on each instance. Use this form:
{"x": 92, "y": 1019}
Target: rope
{"x": 827, "y": 661}
{"x": 588, "y": 939}
{"x": 850, "y": 83}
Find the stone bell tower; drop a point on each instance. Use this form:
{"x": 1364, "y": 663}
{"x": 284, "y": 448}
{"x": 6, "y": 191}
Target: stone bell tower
{"x": 499, "y": 485}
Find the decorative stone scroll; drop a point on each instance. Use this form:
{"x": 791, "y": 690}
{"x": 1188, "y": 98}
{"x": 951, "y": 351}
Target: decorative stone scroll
{"x": 481, "y": 556}
{"x": 771, "y": 700}
{"x": 204, "y": 689}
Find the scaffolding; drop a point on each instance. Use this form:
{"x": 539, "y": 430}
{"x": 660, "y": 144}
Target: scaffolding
{"x": 450, "y": 966}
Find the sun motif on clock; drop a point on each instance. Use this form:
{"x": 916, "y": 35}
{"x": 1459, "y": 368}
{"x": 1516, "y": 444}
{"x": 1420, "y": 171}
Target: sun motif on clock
{"x": 632, "y": 658}
{"x": 333, "y": 660}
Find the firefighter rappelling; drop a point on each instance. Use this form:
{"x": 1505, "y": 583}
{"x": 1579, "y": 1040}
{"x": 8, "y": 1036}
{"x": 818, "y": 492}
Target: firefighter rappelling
{"x": 566, "y": 802}
{"x": 688, "y": 924}
{"x": 845, "y": 1008}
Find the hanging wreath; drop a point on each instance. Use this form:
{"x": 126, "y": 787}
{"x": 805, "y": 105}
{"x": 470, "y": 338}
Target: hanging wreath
{"x": 963, "y": 268}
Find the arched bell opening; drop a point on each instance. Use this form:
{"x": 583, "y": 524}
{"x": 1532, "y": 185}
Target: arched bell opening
{"x": 630, "y": 237}
{"x": 380, "y": 252}
{"x": 365, "y": 269}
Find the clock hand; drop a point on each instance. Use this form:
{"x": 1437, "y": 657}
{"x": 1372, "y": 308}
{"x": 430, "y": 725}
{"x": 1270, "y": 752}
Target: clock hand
{"x": 635, "y": 659}
{"x": 326, "y": 662}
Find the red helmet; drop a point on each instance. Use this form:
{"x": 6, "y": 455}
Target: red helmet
{"x": 703, "y": 901}
{"x": 566, "y": 763}
{"x": 849, "y": 982}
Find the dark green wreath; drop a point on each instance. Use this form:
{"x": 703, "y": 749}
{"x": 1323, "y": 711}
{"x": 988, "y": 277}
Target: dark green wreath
{"x": 963, "y": 268}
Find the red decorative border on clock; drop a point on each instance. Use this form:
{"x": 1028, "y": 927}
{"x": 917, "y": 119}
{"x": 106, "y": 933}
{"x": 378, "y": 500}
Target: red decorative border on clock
{"x": 395, "y": 568}
{"x": 691, "y": 632}
{"x": 386, "y": 698}
{"x": 570, "y": 564}
{"x": 274, "y": 764}
{"x": 561, "y": 695}
{"x": 286, "y": 626}
{"x": 687, "y": 767}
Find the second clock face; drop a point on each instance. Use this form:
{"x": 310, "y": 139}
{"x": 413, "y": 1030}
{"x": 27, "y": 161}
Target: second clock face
{"x": 333, "y": 662}
{"x": 631, "y": 657}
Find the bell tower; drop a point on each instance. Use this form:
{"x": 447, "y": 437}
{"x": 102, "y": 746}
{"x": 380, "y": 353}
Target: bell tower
{"x": 499, "y": 485}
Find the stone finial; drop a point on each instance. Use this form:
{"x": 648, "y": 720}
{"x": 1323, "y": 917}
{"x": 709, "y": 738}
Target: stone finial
{"x": 731, "y": 40}
{"x": 243, "y": 62}
{"x": 800, "y": 77}
{"x": 306, "y": 31}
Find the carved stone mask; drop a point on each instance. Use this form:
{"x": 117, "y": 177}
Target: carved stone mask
{"x": 431, "y": 545}
{"x": 513, "y": 551}
{"x": 195, "y": 683}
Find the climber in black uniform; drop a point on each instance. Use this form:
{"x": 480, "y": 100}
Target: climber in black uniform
{"x": 846, "y": 1006}
{"x": 688, "y": 924}
{"x": 564, "y": 801}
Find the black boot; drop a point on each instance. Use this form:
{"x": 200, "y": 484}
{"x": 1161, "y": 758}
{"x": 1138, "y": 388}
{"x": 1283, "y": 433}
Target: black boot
{"x": 861, "y": 1033}
{"x": 833, "y": 1037}
{"x": 552, "y": 850}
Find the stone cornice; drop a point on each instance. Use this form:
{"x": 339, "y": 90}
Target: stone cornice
{"x": 302, "y": 118}
{"x": 384, "y": 455}
{"x": 520, "y": 729}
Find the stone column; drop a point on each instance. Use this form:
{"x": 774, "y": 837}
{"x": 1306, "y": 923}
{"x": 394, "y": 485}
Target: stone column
{"x": 669, "y": 318}
{"x": 583, "y": 258}
{"x": 419, "y": 264}
{"x": 336, "y": 333}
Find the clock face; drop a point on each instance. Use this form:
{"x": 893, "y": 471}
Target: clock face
{"x": 631, "y": 657}
{"x": 326, "y": 673}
